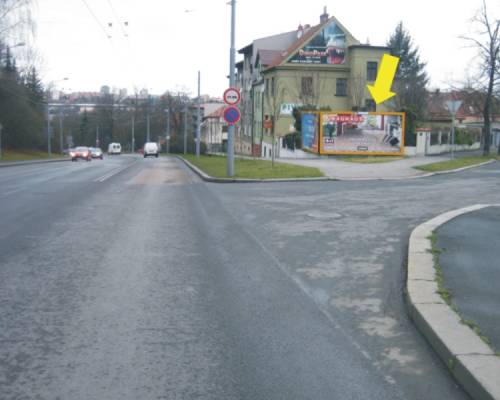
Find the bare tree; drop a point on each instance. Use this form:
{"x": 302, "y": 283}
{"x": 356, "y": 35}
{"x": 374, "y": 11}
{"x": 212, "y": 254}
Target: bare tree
{"x": 274, "y": 98}
{"x": 487, "y": 41}
{"x": 356, "y": 88}
{"x": 15, "y": 18}
{"x": 308, "y": 88}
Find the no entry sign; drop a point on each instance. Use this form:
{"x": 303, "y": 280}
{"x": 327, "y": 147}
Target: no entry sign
{"x": 232, "y": 97}
{"x": 232, "y": 115}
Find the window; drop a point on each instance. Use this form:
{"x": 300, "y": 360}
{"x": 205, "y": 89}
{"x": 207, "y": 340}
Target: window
{"x": 267, "y": 86}
{"x": 272, "y": 86}
{"x": 341, "y": 87}
{"x": 371, "y": 70}
{"x": 307, "y": 86}
{"x": 370, "y": 105}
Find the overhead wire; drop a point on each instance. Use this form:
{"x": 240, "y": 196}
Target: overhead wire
{"x": 119, "y": 57}
{"x": 96, "y": 19}
{"x": 117, "y": 18}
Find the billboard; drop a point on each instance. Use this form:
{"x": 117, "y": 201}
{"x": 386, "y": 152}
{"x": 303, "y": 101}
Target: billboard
{"x": 376, "y": 133}
{"x": 310, "y": 131}
{"x": 328, "y": 46}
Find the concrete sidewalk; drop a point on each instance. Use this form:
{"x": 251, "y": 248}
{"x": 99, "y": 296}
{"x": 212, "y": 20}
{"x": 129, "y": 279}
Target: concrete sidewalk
{"x": 337, "y": 169}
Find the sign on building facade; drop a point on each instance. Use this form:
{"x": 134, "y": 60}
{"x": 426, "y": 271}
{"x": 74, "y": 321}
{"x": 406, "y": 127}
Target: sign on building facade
{"x": 328, "y": 46}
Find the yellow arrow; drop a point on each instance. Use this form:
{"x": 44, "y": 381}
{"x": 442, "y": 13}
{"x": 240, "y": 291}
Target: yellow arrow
{"x": 381, "y": 91}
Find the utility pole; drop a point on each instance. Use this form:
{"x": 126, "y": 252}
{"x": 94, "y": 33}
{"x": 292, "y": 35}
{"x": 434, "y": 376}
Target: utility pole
{"x": 198, "y": 118}
{"x": 168, "y": 130}
{"x": 133, "y": 134}
{"x": 147, "y": 127}
{"x": 49, "y": 150}
{"x": 61, "y": 135}
{"x": 232, "y": 56}
{"x": 1, "y": 127}
{"x": 97, "y": 136}
{"x": 185, "y": 128}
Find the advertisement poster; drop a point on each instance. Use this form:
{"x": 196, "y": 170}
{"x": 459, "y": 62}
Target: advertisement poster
{"x": 310, "y": 132}
{"x": 363, "y": 133}
{"x": 328, "y": 46}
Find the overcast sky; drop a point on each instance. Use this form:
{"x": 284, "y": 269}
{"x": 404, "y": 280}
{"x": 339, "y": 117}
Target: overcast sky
{"x": 163, "y": 46}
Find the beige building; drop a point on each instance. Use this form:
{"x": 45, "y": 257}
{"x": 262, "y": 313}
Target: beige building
{"x": 320, "y": 67}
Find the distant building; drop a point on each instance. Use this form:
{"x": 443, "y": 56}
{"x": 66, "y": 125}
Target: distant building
{"x": 105, "y": 90}
{"x": 469, "y": 117}
{"x": 214, "y": 131}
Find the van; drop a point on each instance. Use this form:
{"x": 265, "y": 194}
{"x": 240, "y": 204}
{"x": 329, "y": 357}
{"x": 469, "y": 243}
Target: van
{"x": 114, "y": 148}
{"x": 150, "y": 149}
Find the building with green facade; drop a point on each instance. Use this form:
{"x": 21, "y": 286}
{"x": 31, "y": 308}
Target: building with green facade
{"x": 318, "y": 67}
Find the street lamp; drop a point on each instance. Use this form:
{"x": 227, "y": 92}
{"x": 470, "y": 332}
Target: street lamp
{"x": 198, "y": 118}
{"x": 453, "y": 106}
{"x": 49, "y": 136}
{"x": 167, "y": 138}
{"x": 1, "y": 127}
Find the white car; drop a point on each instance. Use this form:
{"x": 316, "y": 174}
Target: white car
{"x": 150, "y": 149}
{"x": 114, "y": 148}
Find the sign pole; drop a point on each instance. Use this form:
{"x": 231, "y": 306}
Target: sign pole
{"x": 232, "y": 56}
{"x": 453, "y": 107}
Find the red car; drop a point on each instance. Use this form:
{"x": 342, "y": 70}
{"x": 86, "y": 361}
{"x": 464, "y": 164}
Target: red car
{"x": 80, "y": 152}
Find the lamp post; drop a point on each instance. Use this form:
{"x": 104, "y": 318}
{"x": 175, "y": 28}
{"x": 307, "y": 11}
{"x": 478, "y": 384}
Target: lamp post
{"x": 167, "y": 138}
{"x": 49, "y": 133}
{"x": 232, "y": 57}
{"x": 1, "y": 127}
{"x": 198, "y": 118}
{"x": 185, "y": 127}
{"x": 453, "y": 107}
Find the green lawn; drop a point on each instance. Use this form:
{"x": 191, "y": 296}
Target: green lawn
{"x": 252, "y": 169}
{"x": 369, "y": 159}
{"x": 25, "y": 155}
{"x": 455, "y": 163}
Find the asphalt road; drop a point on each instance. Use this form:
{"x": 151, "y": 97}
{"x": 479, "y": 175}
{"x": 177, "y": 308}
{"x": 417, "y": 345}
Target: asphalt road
{"x": 130, "y": 278}
{"x": 469, "y": 261}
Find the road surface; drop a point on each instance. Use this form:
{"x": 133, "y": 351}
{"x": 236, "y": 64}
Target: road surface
{"x": 130, "y": 278}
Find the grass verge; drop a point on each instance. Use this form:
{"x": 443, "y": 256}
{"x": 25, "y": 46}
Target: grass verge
{"x": 455, "y": 163}
{"x": 446, "y": 293}
{"x": 252, "y": 169}
{"x": 370, "y": 159}
{"x": 26, "y": 155}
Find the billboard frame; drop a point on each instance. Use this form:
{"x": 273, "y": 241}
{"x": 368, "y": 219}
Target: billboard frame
{"x": 362, "y": 153}
{"x": 318, "y": 114}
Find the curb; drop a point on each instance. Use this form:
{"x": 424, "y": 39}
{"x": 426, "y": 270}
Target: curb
{"x": 455, "y": 170}
{"x": 212, "y": 179}
{"x": 208, "y": 178}
{"x": 471, "y": 362}
{"x": 17, "y": 163}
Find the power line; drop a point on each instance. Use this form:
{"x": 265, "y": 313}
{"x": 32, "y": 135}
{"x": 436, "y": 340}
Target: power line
{"x": 96, "y": 19}
{"x": 117, "y": 18}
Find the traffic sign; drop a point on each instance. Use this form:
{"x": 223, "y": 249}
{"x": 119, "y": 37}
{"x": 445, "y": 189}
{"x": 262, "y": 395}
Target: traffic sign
{"x": 232, "y": 97}
{"x": 232, "y": 115}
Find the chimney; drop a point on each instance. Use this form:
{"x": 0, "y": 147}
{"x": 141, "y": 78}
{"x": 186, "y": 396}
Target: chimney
{"x": 323, "y": 17}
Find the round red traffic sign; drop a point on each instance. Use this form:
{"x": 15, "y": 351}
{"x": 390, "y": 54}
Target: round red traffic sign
{"x": 232, "y": 115}
{"x": 232, "y": 96}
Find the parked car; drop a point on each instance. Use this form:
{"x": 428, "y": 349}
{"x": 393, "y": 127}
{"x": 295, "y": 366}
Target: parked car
{"x": 80, "y": 152}
{"x": 114, "y": 148}
{"x": 96, "y": 152}
{"x": 150, "y": 149}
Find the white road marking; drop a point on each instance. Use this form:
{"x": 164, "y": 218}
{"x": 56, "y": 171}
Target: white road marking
{"x": 113, "y": 173}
